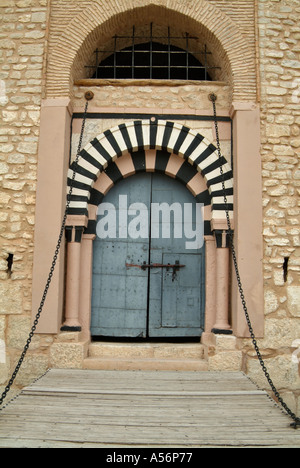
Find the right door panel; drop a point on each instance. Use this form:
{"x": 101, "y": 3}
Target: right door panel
{"x": 176, "y": 295}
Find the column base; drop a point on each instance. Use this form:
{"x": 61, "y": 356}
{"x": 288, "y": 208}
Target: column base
{"x": 220, "y": 331}
{"x": 75, "y": 327}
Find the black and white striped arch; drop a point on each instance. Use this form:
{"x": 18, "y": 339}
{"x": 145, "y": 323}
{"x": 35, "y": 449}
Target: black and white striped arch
{"x": 166, "y": 138}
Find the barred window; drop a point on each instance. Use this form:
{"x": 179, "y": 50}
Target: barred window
{"x": 153, "y": 56}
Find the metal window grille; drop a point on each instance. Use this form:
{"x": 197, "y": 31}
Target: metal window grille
{"x": 153, "y": 57}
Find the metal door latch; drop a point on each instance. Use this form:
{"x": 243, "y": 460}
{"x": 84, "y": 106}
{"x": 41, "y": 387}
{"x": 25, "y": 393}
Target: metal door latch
{"x": 175, "y": 267}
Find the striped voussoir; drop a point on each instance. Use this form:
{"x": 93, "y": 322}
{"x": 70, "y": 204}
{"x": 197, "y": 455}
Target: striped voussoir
{"x": 167, "y": 139}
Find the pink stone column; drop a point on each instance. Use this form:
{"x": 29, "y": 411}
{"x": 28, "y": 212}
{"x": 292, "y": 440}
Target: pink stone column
{"x": 210, "y": 283}
{"x": 222, "y": 285}
{"x": 73, "y": 279}
{"x": 85, "y": 288}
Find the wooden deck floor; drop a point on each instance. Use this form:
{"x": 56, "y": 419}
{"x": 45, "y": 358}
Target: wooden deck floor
{"x": 103, "y": 409}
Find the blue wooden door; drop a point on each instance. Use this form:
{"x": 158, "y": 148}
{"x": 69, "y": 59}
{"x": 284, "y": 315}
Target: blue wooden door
{"x": 130, "y": 300}
{"x": 119, "y": 294}
{"x": 176, "y": 306}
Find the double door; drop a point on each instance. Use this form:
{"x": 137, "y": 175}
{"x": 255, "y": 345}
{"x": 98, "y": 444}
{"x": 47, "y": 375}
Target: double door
{"x": 148, "y": 269}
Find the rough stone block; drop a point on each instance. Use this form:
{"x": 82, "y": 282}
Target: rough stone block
{"x": 18, "y": 330}
{"x": 226, "y": 361}
{"x": 33, "y": 367}
{"x": 225, "y": 342}
{"x": 31, "y": 50}
{"x": 68, "y": 355}
{"x": 280, "y": 333}
{"x": 4, "y": 373}
{"x": 277, "y": 131}
{"x": 271, "y": 301}
{"x": 293, "y": 293}
{"x": 283, "y": 372}
{"x": 10, "y": 298}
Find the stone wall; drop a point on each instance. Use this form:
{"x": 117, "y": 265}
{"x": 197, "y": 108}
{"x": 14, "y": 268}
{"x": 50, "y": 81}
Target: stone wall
{"x": 279, "y": 35}
{"x": 22, "y": 47}
{"x": 25, "y": 32}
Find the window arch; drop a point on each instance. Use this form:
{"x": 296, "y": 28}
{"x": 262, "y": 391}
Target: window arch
{"x": 153, "y": 52}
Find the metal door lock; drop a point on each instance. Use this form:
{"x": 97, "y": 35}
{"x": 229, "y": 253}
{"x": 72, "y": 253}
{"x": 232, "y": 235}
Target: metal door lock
{"x": 175, "y": 267}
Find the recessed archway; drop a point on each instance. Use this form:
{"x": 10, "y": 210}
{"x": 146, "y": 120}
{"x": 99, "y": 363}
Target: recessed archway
{"x": 205, "y": 20}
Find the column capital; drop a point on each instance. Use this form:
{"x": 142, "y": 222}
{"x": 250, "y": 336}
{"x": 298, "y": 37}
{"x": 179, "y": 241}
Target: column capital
{"x": 63, "y": 102}
{"x": 77, "y": 220}
{"x": 241, "y": 106}
{"x": 74, "y": 233}
{"x": 221, "y": 224}
{"x": 222, "y": 239}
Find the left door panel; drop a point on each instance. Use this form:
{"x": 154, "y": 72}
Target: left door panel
{"x": 120, "y": 294}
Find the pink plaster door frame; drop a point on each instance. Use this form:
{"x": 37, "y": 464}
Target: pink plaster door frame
{"x": 248, "y": 212}
{"x": 54, "y": 142}
{"x": 53, "y": 164}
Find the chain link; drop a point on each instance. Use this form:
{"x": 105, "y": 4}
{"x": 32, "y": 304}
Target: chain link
{"x": 296, "y": 422}
{"x": 53, "y": 264}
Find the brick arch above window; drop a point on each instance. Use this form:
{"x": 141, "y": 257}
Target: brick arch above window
{"x": 69, "y": 53}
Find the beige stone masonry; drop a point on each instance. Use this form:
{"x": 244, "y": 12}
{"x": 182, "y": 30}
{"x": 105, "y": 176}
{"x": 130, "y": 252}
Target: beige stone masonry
{"x": 22, "y": 45}
{"x": 280, "y": 64}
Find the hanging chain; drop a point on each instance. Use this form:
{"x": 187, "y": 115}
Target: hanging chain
{"x": 296, "y": 422}
{"x": 54, "y": 260}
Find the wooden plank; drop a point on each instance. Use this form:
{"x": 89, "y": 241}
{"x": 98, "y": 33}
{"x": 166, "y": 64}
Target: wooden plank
{"x": 43, "y": 390}
{"x": 52, "y": 413}
{"x": 155, "y": 380}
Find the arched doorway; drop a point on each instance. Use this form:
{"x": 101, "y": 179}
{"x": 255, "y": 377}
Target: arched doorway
{"x": 150, "y": 146}
{"x": 149, "y": 261}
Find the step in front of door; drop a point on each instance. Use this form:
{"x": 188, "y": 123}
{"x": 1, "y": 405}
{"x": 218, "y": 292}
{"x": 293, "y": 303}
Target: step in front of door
{"x": 148, "y": 356}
